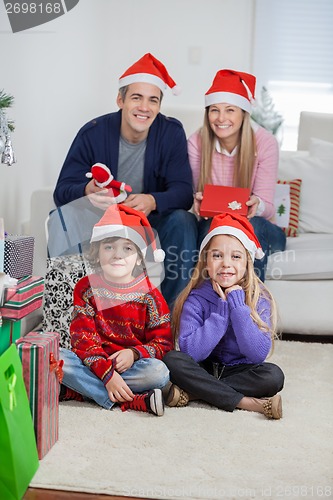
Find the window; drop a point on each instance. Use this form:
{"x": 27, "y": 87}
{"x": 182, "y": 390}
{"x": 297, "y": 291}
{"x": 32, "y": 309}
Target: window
{"x": 293, "y": 58}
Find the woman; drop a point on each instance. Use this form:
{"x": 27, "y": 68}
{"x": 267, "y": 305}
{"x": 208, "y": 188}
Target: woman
{"x": 231, "y": 150}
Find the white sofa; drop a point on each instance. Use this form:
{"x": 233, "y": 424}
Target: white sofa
{"x": 301, "y": 278}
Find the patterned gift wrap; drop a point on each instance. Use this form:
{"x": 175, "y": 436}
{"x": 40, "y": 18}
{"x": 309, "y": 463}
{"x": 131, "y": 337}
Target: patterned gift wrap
{"x": 19, "y": 255}
{"x": 62, "y": 274}
{"x": 42, "y": 372}
{"x": 21, "y": 300}
{"x": 10, "y": 331}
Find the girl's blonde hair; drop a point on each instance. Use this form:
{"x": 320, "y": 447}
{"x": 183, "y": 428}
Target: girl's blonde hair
{"x": 251, "y": 284}
{"x": 244, "y": 158}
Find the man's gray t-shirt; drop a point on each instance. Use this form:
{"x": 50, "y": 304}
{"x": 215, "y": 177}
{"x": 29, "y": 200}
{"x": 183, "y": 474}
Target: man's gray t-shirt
{"x": 131, "y": 164}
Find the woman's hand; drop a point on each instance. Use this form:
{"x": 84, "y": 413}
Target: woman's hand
{"x": 252, "y": 203}
{"x": 198, "y": 197}
{"x": 118, "y": 390}
{"x": 123, "y": 360}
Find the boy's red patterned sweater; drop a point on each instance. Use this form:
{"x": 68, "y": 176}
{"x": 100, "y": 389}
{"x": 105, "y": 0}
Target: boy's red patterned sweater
{"x": 109, "y": 317}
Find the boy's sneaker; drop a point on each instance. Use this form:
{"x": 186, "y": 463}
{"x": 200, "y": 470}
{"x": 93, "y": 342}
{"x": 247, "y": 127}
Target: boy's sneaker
{"x": 150, "y": 402}
{"x": 67, "y": 394}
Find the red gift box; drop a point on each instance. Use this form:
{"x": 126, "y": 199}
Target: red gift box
{"x": 24, "y": 298}
{"x": 219, "y": 199}
{"x": 42, "y": 372}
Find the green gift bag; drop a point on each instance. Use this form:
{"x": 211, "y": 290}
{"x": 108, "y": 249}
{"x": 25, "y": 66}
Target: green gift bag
{"x": 18, "y": 450}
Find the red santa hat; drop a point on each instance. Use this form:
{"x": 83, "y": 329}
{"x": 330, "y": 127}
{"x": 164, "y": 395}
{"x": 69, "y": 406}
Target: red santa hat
{"x": 148, "y": 69}
{"x": 232, "y": 87}
{"x": 238, "y": 226}
{"x": 125, "y": 222}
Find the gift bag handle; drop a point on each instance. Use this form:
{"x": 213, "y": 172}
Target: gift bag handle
{"x": 12, "y": 394}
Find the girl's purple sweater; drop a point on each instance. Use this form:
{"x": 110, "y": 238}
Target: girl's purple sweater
{"x": 223, "y": 330}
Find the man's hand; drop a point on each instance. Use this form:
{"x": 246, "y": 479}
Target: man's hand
{"x": 252, "y": 203}
{"x": 118, "y": 390}
{"x": 123, "y": 360}
{"x": 98, "y": 196}
{"x": 144, "y": 202}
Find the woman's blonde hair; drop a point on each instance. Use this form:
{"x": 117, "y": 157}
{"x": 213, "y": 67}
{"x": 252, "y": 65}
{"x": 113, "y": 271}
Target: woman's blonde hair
{"x": 244, "y": 158}
{"x": 254, "y": 289}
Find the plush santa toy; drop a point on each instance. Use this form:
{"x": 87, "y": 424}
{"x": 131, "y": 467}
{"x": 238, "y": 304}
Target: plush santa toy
{"x": 104, "y": 179}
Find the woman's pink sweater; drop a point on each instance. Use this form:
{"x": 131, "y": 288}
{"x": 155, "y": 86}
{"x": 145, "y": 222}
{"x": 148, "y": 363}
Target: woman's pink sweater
{"x": 265, "y": 167}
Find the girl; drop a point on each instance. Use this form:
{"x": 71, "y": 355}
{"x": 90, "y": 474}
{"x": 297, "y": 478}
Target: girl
{"x": 225, "y": 321}
{"x": 120, "y": 329}
{"x": 232, "y": 150}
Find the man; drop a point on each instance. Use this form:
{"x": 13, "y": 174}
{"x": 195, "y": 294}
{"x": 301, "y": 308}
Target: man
{"x": 144, "y": 149}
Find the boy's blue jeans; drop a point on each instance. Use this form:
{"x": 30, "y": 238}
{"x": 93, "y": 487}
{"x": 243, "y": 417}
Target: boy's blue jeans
{"x": 144, "y": 375}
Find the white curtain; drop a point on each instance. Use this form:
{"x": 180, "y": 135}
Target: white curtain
{"x": 293, "y": 58}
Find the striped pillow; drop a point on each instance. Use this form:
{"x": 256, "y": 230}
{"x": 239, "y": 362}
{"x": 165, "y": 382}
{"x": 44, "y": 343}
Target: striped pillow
{"x": 295, "y": 191}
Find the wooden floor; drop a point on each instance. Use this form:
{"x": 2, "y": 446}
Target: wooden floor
{"x": 40, "y": 494}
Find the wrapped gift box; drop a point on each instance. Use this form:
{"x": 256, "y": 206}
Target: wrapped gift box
{"x": 42, "y": 372}
{"x": 61, "y": 276}
{"x": 18, "y": 255}
{"x": 218, "y": 199}
{"x": 10, "y": 331}
{"x": 25, "y": 297}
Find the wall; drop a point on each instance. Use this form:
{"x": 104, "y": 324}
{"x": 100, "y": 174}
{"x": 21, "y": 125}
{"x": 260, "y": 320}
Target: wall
{"x": 65, "y": 72}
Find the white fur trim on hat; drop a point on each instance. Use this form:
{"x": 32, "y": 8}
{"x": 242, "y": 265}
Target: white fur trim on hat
{"x": 229, "y": 98}
{"x": 255, "y": 252}
{"x": 113, "y": 230}
{"x": 144, "y": 78}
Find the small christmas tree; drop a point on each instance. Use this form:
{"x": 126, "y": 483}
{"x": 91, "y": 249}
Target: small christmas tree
{"x": 281, "y": 210}
{"x": 6, "y": 101}
{"x": 264, "y": 114}
{"x": 6, "y": 126}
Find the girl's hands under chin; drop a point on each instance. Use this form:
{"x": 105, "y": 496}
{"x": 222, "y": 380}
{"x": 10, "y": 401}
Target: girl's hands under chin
{"x": 230, "y": 289}
{"x": 217, "y": 288}
{"x": 224, "y": 293}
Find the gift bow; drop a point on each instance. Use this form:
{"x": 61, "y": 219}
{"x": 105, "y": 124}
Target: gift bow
{"x": 12, "y": 394}
{"x": 57, "y": 367}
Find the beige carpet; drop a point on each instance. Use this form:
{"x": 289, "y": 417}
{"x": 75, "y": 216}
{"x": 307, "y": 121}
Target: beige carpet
{"x": 199, "y": 452}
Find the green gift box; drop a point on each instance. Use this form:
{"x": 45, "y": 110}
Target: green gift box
{"x": 10, "y": 331}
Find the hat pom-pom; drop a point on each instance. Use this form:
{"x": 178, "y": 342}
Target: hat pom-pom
{"x": 89, "y": 175}
{"x": 259, "y": 253}
{"x": 176, "y": 90}
{"x": 159, "y": 255}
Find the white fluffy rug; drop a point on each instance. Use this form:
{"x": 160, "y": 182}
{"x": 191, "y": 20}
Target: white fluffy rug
{"x": 200, "y": 452}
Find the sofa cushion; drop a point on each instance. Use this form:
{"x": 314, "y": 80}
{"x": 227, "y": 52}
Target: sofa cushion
{"x": 316, "y": 195}
{"x": 321, "y": 149}
{"x": 288, "y": 203}
{"x": 308, "y": 257}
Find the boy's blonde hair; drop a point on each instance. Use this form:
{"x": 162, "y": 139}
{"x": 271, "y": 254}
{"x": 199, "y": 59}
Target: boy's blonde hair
{"x": 93, "y": 255}
{"x": 251, "y": 284}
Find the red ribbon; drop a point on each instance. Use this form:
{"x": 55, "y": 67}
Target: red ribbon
{"x": 56, "y": 366}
